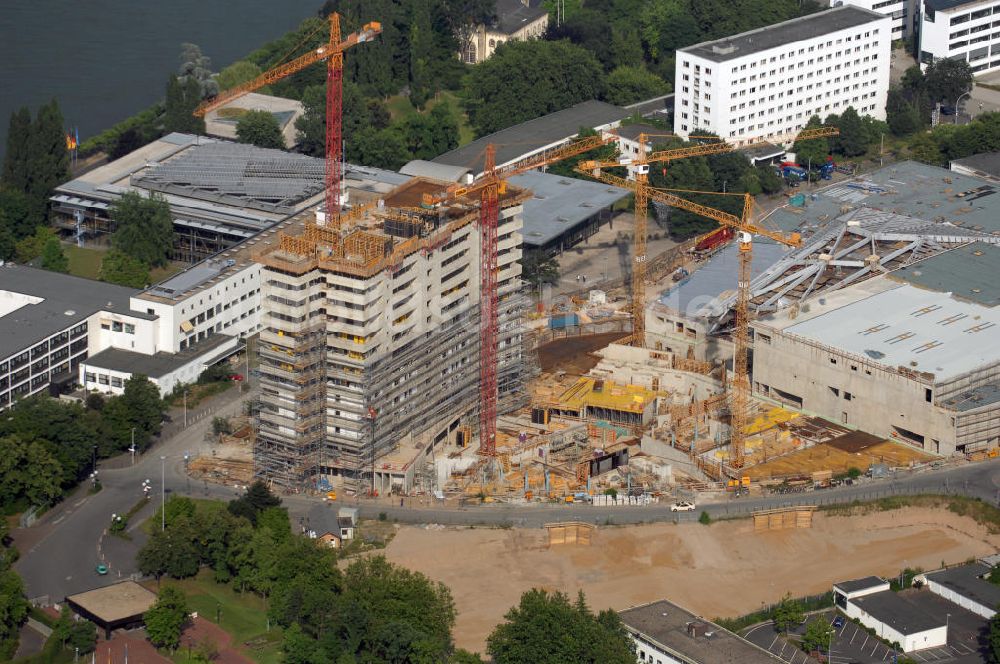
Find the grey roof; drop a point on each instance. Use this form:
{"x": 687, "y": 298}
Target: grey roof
{"x": 560, "y": 204}
{"x": 655, "y": 106}
{"x": 428, "y": 169}
{"x": 238, "y": 174}
{"x": 763, "y": 150}
{"x": 942, "y": 5}
{"x": 971, "y": 273}
{"x": 532, "y": 135}
{"x": 986, "y": 162}
{"x": 178, "y": 285}
{"x": 157, "y": 365}
{"x": 977, "y": 397}
{"x": 699, "y": 295}
{"x": 665, "y": 623}
{"x": 512, "y": 15}
{"x": 66, "y": 302}
{"x": 903, "y": 326}
{"x": 779, "y": 34}
{"x": 890, "y": 609}
{"x": 965, "y": 580}
{"x": 860, "y": 584}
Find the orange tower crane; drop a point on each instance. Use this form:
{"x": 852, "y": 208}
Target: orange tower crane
{"x": 333, "y": 53}
{"x": 490, "y": 186}
{"x": 638, "y": 176}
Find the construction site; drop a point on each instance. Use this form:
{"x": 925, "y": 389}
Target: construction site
{"x": 400, "y": 352}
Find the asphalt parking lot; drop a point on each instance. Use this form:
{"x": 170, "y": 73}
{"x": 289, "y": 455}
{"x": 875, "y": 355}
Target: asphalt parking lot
{"x": 853, "y": 645}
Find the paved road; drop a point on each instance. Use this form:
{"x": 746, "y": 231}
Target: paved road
{"x": 58, "y": 555}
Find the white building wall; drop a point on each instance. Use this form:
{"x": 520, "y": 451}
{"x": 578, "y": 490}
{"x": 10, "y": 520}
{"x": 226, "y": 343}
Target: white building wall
{"x": 902, "y": 12}
{"x": 964, "y": 602}
{"x": 771, "y": 94}
{"x": 970, "y": 32}
{"x": 647, "y": 653}
{"x": 931, "y": 638}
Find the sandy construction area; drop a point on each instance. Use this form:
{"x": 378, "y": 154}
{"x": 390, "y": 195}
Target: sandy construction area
{"x": 721, "y": 570}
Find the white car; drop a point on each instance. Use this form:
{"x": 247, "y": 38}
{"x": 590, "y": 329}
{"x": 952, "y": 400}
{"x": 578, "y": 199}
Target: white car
{"x": 682, "y": 506}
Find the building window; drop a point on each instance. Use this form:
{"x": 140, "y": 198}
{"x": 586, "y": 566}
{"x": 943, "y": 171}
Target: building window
{"x": 129, "y": 328}
{"x": 89, "y": 377}
{"x": 116, "y": 381}
{"x": 102, "y": 379}
{"x": 116, "y": 326}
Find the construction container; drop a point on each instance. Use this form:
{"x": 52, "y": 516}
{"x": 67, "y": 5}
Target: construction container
{"x": 564, "y": 321}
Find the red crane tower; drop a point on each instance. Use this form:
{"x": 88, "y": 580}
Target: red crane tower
{"x": 333, "y": 53}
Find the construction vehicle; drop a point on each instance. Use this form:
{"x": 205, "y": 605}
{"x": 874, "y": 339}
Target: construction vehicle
{"x": 333, "y": 53}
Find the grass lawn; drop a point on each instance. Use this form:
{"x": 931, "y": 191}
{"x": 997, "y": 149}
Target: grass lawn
{"x": 84, "y": 261}
{"x": 243, "y": 616}
{"x": 158, "y": 274}
{"x": 400, "y": 108}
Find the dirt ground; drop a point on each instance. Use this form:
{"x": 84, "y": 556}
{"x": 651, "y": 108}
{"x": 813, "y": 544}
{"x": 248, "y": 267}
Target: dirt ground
{"x": 574, "y": 355}
{"x": 828, "y": 457}
{"x": 721, "y": 570}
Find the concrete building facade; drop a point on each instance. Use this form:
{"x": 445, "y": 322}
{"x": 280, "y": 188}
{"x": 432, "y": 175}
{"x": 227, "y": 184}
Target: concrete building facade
{"x": 765, "y": 84}
{"x": 964, "y": 29}
{"x": 516, "y": 20}
{"x": 905, "y": 14}
{"x": 370, "y": 336}
{"x": 910, "y": 356}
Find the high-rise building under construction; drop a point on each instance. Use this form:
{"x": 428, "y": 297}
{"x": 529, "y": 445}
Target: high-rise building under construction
{"x": 371, "y": 333}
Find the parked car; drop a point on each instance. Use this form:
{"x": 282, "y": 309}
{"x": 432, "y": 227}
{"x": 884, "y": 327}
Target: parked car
{"x": 947, "y": 110}
{"x": 838, "y": 622}
{"x": 682, "y": 506}
{"x": 101, "y": 569}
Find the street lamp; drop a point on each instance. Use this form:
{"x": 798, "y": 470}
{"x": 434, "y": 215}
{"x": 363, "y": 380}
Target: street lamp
{"x": 185, "y": 408}
{"x": 163, "y": 494}
{"x": 966, "y": 94}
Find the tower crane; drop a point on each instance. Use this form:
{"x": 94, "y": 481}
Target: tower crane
{"x": 490, "y": 186}
{"x": 638, "y": 178}
{"x": 333, "y": 53}
{"x": 746, "y": 228}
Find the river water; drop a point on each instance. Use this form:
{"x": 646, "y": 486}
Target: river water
{"x": 104, "y": 60}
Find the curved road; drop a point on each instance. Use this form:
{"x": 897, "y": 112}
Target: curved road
{"x": 59, "y": 554}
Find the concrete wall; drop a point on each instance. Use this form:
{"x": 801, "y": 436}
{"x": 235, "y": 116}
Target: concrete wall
{"x": 843, "y": 389}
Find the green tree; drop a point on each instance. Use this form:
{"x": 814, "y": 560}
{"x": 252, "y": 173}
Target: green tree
{"x": 82, "y": 637}
{"x": 145, "y": 228}
{"x": 818, "y": 634}
{"x": 117, "y": 267}
{"x": 538, "y": 268}
{"x": 299, "y": 648}
{"x": 523, "y": 80}
{"x": 32, "y": 246}
{"x": 902, "y": 115}
{"x": 814, "y": 150}
{"x": 13, "y": 609}
{"x": 174, "y": 509}
{"x": 853, "y": 139}
{"x": 29, "y": 471}
{"x": 165, "y": 620}
{"x": 183, "y": 98}
{"x": 923, "y": 148}
{"x": 630, "y": 84}
{"x": 16, "y": 175}
{"x": 770, "y": 182}
{"x": 946, "y": 79}
{"x": 126, "y": 142}
{"x": 993, "y": 638}
{"x": 139, "y": 407}
{"x": 53, "y": 256}
{"x": 257, "y": 499}
{"x": 260, "y": 128}
{"x": 626, "y": 46}
{"x": 172, "y": 552}
{"x": 431, "y": 134}
{"x": 546, "y": 627}
{"x": 8, "y": 247}
{"x": 48, "y": 163}
{"x": 787, "y": 614}
{"x": 15, "y": 213}
{"x": 238, "y": 73}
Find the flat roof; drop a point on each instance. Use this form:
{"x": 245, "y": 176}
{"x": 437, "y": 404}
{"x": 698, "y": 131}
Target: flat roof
{"x": 57, "y": 302}
{"x": 119, "y": 601}
{"x": 965, "y": 580}
{"x": 977, "y": 397}
{"x": 890, "y": 609}
{"x": 985, "y": 162}
{"x": 969, "y": 273}
{"x": 533, "y": 135}
{"x": 944, "y": 5}
{"x": 632, "y": 131}
{"x": 860, "y": 584}
{"x": 560, "y": 204}
{"x": 899, "y": 325}
{"x": 788, "y": 32}
{"x": 428, "y": 169}
{"x": 156, "y": 365}
{"x": 666, "y": 624}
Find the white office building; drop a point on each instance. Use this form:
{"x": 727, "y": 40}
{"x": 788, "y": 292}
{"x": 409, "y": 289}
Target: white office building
{"x": 964, "y": 29}
{"x": 905, "y": 14}
{"x": 765, "y": 84}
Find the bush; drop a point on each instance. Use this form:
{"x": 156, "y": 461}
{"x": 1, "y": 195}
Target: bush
{"x": 704, "y": 519}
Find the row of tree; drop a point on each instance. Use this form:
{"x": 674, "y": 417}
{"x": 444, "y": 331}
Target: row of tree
{"x": 13, "y": 605}
{"x": 47, "y": 446}
{"x": 370, "y": 610}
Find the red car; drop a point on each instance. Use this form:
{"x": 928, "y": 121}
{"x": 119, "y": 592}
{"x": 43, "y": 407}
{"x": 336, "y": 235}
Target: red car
{"x": 236, "y": 377}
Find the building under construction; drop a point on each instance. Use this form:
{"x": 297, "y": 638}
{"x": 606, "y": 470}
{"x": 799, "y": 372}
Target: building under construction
{"x": 371, "y": 334}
